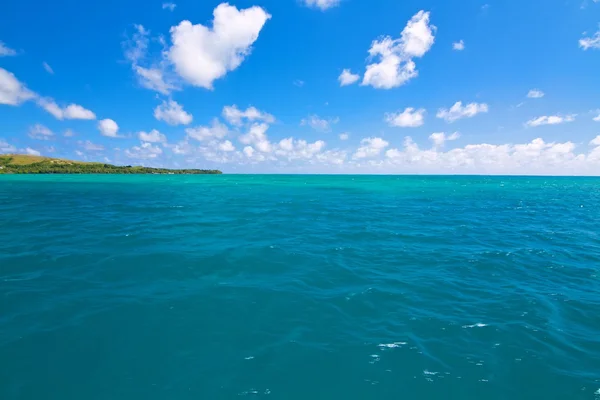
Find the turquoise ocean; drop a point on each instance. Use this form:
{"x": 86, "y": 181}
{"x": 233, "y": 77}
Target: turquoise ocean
{"x": 299, "y": 287}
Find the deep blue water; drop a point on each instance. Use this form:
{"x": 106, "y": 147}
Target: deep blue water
{"x": 299, "y": 287}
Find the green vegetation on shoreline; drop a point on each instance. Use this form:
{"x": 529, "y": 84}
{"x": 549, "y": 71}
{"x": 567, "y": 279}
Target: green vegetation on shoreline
{"x": 26, "y": 164}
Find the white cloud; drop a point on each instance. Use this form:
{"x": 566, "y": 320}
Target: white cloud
{"x": 153, "y": 136}
{"x": 459, "y": 46}
{"x": 440, "y": 138}
{"x": 597, "y": 118}
{"x": 292, "y": 149}
{"x": 6, "y": 51}
{"x": 40, "y": 132}
{"x": 169, "y": 6}
{"x": 89, "y": 146}
{"x": 591, "y": 42}
{"x": 13, "y": 92}
{"x": 154, "y": 76}
{"x": 374, "y": 155}
{"x": 51, "y": 107}
{"x": 144, "y": 151}
{"x": 172, "y": 113}
{"x": 332, "y": 157}
{"x": 344, "y": 136}
{"x": 202, "y": 55}
{"x": 154, "y": 79}
{"x": 236, "y": 117}
{"x": 396, "y": 65}
{"x": 6, "y": 147}
{"x": 137, "y": 47}
{"x": 248, "y": 151}
{"x": 69, "y": 133}
{"x": 535, "y": 94}
{"x": 319, "y": 124}
{"x": 216, "y": 131}
{"x": 48, "y": 68}
{"x": 72, "y": 111}
{"x": 32, "y": 152}
{"x": 458, "y": 111}
{"x": 409, "y": 118}
{"x": 75, "y": 111}
{"x": 108, "y": 127}
{"x": 257, "y": 137}
{"x": 348, "y": 78}
{"x": 550, "y": 120}
{"x": 226, "y": 146}
{"x": 321, "y": 4}
{"x": 183, "y": 147}
{"x": 535, "y": 157}
{"x": 370, "y": 147}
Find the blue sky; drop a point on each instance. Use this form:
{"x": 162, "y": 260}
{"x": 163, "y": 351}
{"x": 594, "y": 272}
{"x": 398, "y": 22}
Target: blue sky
{"x": 259, "y": 86}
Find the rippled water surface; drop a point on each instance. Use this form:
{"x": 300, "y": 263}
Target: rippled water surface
{"x": 299, "y": 287}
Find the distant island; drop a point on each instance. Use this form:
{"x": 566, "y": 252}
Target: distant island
{"x": 27, "y": 164}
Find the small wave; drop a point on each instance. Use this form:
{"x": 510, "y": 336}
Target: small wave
{"x": 391, "y": 345}
{"x": 477, "y": 325}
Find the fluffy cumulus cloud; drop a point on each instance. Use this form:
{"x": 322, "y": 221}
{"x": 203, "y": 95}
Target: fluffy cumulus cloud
{"x": 409, "y": 118}
{"x": 202, "y": 54}
{"x": 293, "y": 149}
{"x": 321, "y": 4}
{"x": 597, "y": 117}
{"x": 257, "y": 137}
{"x": 250, "y": 128}
{"x": 6, "y": 51}
{"x": 458, "y": 46}
{"x": 226, "y": 146}
{"x": 172, "y": 113}
{"x": 348, "y": 78}
{"x": 12, "y": 91}
{"x": 237, "y": 117}
{"x": 370, "y": 147}
{"x": 217, "y": 130}
{"x": 458, "y": 111}
{"x": 153, "y": 136}
{"x": 72, "y": 111}
{"x": 535, "y": 94}
{"x": 144, "y": 151}
{"x": 40, "y": 132}
{"x": 319, "y": 124}
{"x": 108, "y": 127}
{"x": 535, "y": 157}
{"x": 75, "y": 111}
{"x": 344, "y": 136}
{"x": 590, "y": 42}
{"x": 550, "y": 120}
{"x": 395, "y": 57}
{"x": 440, "y": 138}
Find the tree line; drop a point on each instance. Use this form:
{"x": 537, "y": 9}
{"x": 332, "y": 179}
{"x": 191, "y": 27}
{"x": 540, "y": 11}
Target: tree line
{"x": 66, "y": 167}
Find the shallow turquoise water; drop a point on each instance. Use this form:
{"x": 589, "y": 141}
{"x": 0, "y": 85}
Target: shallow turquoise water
{"x": 296, "y": 287}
